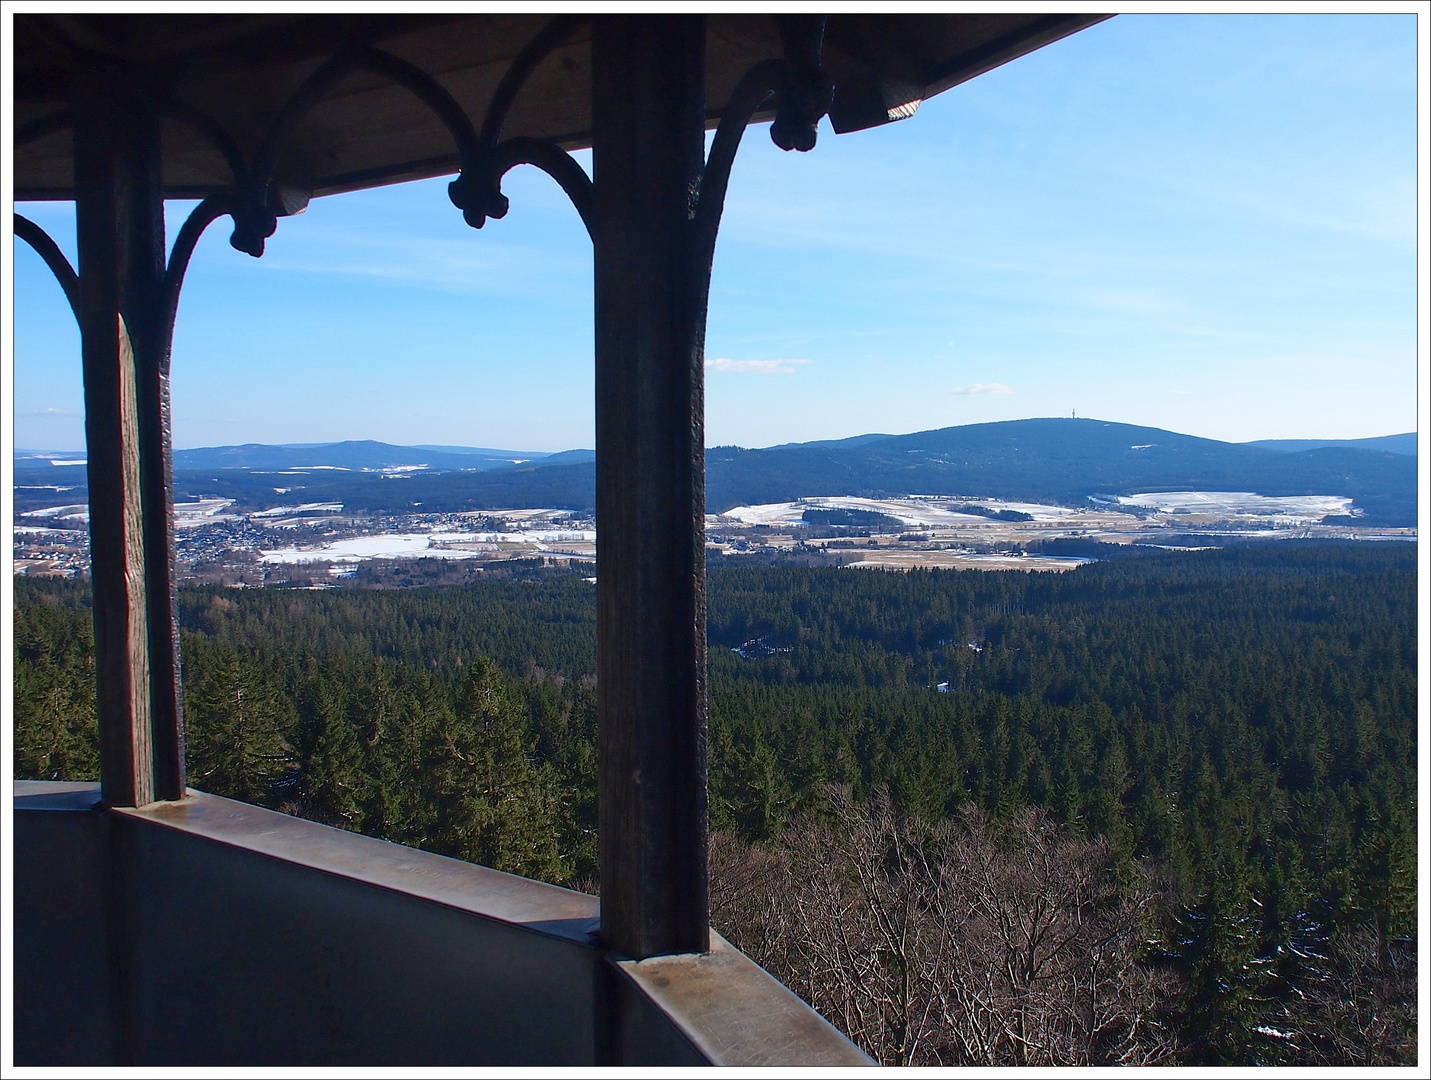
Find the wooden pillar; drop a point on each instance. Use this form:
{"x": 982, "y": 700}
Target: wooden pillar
{"x": 648, "y": 129}
{"x": 125, "y": 337}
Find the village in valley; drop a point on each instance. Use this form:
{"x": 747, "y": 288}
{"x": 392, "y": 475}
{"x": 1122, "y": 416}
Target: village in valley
{"x": 322, "y": 545}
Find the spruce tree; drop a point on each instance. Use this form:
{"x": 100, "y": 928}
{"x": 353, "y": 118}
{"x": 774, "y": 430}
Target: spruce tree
{"x": 334, "y": 775}
{"x": 234, "y": 745}
{"x": 499, "y": 804}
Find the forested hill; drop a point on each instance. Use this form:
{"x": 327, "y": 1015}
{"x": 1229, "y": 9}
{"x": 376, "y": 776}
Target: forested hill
{"x": 1052, "y": 460}
{"x": 1058, "y": 460}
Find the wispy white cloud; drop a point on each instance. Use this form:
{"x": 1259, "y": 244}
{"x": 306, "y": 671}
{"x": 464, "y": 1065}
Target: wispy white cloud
{"x": 976, "y": 389}
{"x": 754, "y": 367}
{"x": 49, "y": 410}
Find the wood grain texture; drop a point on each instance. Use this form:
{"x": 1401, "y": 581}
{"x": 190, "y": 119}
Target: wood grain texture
{"x": 125, "y": 334}
{"x": 136, "y": 638}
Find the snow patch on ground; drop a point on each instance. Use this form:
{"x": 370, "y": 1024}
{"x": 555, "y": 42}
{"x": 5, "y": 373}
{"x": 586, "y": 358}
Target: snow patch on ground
{"x": 358, "y": 548}
{"x": 434, "y": 544}
{"x": 75, "y": 510}
{"x": 191, "y": 515}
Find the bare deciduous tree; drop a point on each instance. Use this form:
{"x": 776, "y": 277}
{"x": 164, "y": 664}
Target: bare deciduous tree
{"x": 962, "y": 942}
{"x": 1362, "y": 1012}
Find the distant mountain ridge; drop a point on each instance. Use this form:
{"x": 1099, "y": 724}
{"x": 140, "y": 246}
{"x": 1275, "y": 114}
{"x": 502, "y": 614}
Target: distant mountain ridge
{"x": 1056, "y": 460}
{"x": 1391, "y": 444}
{"x": 1059, "y": 460}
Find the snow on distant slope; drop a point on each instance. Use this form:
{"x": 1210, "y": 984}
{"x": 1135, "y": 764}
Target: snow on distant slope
{"x": 917, "y": 510}
{"x": 1243, "y": 504}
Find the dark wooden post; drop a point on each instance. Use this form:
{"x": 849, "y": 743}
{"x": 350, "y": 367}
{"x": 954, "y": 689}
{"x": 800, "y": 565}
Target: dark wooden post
{"x": 125, "y": 334}
{"x": 648, "y": 124}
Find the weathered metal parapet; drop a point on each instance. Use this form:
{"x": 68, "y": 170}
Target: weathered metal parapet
{"x": 211, "y": 933}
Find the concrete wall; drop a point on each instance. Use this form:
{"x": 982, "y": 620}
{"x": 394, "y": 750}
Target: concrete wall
{"x": 210, "y": 932}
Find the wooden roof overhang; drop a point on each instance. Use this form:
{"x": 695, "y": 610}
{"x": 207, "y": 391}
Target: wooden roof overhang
{"x": 255, "y": 114}
{"x": 226, "y": 78}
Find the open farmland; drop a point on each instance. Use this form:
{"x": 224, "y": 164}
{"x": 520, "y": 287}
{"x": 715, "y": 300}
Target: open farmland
{"x": 992, "y": 534}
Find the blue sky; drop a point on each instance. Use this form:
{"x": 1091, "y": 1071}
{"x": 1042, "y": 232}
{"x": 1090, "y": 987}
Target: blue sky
{"x": 1205, "y": 223}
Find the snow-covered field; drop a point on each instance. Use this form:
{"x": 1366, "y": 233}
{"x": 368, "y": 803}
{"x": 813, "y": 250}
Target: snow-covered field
{"x": 520, "y": 515}
{"x": 438, "y": 544}
{"x": 938, "y": 511}
{"x": 905, "y": 559}
{"x": 75, "y": 510}
{"x": 190, "y": 515}
{"x": 358, "y": 548}
{"x": 928, "y": 511}
{"x": 1293, "y": 509}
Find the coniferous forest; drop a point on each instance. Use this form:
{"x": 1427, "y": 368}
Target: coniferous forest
{"x": 1157, "y": 809}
